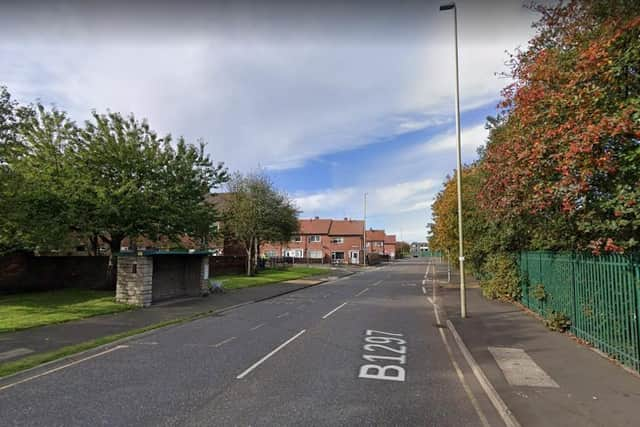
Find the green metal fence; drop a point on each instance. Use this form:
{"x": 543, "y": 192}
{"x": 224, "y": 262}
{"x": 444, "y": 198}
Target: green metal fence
{"x": 599, "y": 294}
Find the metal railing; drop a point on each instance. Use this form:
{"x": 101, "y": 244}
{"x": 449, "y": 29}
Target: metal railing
{"x": 599, "y": 294}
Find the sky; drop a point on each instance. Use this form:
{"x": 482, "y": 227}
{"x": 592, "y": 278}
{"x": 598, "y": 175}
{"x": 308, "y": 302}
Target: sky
{"x": 330, "y": 99}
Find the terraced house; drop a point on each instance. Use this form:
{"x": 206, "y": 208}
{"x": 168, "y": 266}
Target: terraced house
{"x": 322, "y": 241}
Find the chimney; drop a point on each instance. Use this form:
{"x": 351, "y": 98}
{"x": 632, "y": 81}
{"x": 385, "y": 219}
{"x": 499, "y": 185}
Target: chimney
{"x": 317, "y": 217}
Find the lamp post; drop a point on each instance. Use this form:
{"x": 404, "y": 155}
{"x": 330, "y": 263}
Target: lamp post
{"x": 463, "y": 297}
{"x": 364, "y": 235}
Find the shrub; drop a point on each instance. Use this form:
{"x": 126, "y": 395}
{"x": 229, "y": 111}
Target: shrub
{"x": 503, "y": 280}
{"x": 557, "y": 321}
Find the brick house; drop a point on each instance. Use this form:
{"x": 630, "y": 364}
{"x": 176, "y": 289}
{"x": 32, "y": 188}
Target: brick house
{"x": 322, "y": 240}
{"x": 375, "y": 241}
{"x": 390, "y": 245}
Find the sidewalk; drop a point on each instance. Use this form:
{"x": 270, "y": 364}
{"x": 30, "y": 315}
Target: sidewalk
{"x": 29, "y": 342}
{"x": 580, "y": 387}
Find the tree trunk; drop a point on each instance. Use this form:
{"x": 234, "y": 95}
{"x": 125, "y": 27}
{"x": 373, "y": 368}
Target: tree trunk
{"x": 249, "y": 248}
{"x": 112, "y": 270}
{"x": 255, "y": 255}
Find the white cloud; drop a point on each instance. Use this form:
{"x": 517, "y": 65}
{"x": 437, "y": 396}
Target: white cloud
{"x": 260, "y": 89}
{"x": 470, "y": 139}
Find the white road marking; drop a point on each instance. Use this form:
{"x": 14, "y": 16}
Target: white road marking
{"x": 362, "y": 292}
{"x": 279, "y": 316}
{"x": 502, "y": 408}
{"x": 257, "y": 327}
{"x": 59, "y": 368}
{"x": 519, "y": 369}
{"x": 424, "y": 291}
{"x": 377, "y": 283}
{"x": 274, "y": 351}
{"x": 224, "y": 342}
{"x": 15, "y": 353}
{"x": 334, "y": 310}
{"x": 145, "y": 343}
{"x": 465, "y": 386}
{"x": 424, "y": 282}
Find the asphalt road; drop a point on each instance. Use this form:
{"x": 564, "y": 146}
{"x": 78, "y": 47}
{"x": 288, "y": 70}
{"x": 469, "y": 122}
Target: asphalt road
{"x": 292, "y": 360}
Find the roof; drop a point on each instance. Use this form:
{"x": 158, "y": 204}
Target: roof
{"x": 314, "y": 226}
{"x": 390, "y": 238}
{"x": 347, "y": 227}
{"x": 375, "y": 235}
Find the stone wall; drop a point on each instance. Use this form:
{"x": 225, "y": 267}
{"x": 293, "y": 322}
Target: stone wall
{"x": 135, "y": 274}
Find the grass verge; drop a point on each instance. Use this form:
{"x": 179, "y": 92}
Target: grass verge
{"x": 269, "y": 276}
{"x": 23, "y": 311}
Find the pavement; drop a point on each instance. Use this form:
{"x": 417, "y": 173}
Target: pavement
{"x": 28, "y": 342}
{"x": 368, "y": 349}
{"x": 586, "y": 389}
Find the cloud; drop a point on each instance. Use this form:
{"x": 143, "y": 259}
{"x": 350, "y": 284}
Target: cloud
{"x": 271, "y": 86}
{"x": 470, "y": 139}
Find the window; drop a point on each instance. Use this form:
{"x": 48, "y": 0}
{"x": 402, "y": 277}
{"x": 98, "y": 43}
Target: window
{"x": 298, "y": 253}
{"x": 270, "y": 254}
{"x": 315, "y": 254}
{"x": 314, "y": 239}
{"x": 296, "y": 239}
{"x": 338, "y": 240}
{"x": 337, "y": 256}
{"x": 380, "y": 244}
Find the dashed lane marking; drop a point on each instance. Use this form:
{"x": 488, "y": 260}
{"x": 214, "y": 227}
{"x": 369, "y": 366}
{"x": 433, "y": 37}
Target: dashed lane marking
{"x": 334, "y": 310}
{"x": 279, "y": 316}
{"x": 223, "y": 342}
{"x": 257, "y": 327}
{"x": 274, "y": 351}
{"x": 362, "y": 292}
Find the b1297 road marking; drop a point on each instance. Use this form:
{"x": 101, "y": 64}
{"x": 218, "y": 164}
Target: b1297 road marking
{"x": 386, "y": 372}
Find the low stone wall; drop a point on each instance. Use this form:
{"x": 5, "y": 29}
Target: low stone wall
{"x": 23, "y": 272}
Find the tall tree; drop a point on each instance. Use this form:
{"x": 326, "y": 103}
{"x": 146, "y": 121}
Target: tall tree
{"x": 566, "y": 156}
{"x": 37, "y": 177}
{"x": 256, "y": 212}
{"x": 135, "y": 183}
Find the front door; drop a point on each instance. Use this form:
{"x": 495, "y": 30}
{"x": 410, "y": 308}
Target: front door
{"x": 355, "y": 257}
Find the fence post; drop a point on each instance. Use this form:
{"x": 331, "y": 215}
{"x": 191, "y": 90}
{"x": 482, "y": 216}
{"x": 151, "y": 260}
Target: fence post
{"x": 574, "y": 297}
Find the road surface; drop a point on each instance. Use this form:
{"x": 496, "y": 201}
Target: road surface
{"x": 298, "y": 359}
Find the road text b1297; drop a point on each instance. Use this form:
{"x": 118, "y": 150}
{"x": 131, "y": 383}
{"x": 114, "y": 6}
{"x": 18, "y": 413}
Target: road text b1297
{"x": 388, "y": 351}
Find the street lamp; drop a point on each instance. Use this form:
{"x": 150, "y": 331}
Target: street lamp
{"x": 364, "y": 235}
{"x": 463, "y": 299}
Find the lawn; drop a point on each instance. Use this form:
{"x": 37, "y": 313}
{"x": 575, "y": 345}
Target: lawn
{"x": 22, "y": 311}
{"x": 265, "y": 277}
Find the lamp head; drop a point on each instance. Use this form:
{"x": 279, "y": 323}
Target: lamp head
{"x": 448, "y": 6}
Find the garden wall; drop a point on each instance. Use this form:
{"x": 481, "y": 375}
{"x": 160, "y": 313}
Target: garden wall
{"x": 27, "y": 273}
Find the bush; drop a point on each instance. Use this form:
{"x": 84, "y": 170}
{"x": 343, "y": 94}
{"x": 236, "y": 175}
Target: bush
{"x": 503, "y": 280}
{"x": 557, "y": 321}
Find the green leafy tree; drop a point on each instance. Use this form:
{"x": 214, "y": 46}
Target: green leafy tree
{"x": 255, "y": 213}
{"x": 135, "y": 183}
